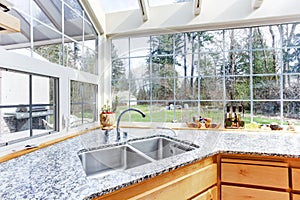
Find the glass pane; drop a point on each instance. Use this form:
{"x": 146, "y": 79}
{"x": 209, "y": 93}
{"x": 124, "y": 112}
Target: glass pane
{"x": 120, "y": 48}
{"x": 89, "y": 61}
{"x": 237, "y": 39}
{"x": 74, "y": 4}
{"x": 14, "y": 88}
{"x": 120, "y": 75}
{"x": 266, "y": 87}
{"x": 291, "y": 35}
{"x": 266, "y": 37}
{"x": 291, "y": 89}
{"x": 43, "y": 33}
{"x": 139, "y": 46}
{"x": 162, "y": 45}
{"x": 14, "y": 124}
{"x": 90, "y": 113}
{"x": 237, "y": 87}
{"x": 162, "y": 66}
{"x": 13, "y": 38}
{"x": 41, "y": 16}
{"x": 291, "y": 59}
{"x": 163, "y": 89}
{"x": 42, "y": 90}
{"x": 211, "y": 88}
{"x": 139, "y": 68}
{"x": 211, "y": 64}
{"x": 185, "y": 90}
{"x": 211, "y": 41}
{"x": 76, "y": 92}
{"x": 165, "y": 2}
{"x": 237, "y": 63}
{"x": 291, "y": 112}
{"x": 23, "y": 6}
{"x": 264, "y": 110}
{"x": 76, "y": 115}
{"x": 212, "y": 110}
{"x": 119, "y": 5}
{"x": 162, "y": 112}
{"x": 185, "y": 66}
{"x": 73, "y": 55}
{"x": 266, "y": 62}
{"x": 73, "y": 24}
{"x": 142, "y": 87}
{"x": 50, "y": 52}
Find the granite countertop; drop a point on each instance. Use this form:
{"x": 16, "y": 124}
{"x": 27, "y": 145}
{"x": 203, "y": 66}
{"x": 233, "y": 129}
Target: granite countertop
{"x": 55, "y": 172}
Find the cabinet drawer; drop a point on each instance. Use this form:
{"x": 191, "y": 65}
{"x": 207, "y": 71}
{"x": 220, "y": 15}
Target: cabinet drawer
{"x": 296, "y": 178}
{"x": 184, "y": 187}
{"x": 210, "y": 194}
{"x": 268, "y": 176}
{"x": 241, "y": 193}
{"x": 296, "y": 196}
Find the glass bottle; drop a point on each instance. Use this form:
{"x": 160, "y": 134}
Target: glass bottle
{"x": 241, "y": 116}
{"x": 228, "y": 121}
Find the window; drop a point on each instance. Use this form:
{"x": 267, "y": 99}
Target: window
{"x": 28, "y": 106}
{"x": 83, "y": 103}
{"x": 174, "y": 77}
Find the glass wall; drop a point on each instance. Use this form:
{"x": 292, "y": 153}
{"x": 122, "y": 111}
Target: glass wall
{"x": 56, "y": 30}
{"x": 28, "y": 105}
{"x": 174, "y": 77}
{"x": 83, "y": 103}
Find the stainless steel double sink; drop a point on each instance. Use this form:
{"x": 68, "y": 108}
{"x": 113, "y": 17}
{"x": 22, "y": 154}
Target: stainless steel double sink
{"x": 134, "y": 153}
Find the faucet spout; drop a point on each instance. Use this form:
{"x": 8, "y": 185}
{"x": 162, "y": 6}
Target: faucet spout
{"x": 119, "y": 119}
{"x": 166, "y": 128}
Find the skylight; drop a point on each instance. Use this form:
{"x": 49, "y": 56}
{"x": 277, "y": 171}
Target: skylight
{"x": 153, "y": 3}
{"x": 118, "y": 5}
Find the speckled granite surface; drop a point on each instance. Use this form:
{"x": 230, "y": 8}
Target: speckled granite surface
{"x": 56, "y": 172}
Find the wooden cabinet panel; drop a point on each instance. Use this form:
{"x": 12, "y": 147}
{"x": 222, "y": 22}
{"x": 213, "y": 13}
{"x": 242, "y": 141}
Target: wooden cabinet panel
{"x": 296, "y": 196}
{"x": 184, "y": 187}
{"x": 210, "y": 194}
{"x": 268, "y": 176}
{"x": 296, "y": 179}
{"x": 241, "y": 193}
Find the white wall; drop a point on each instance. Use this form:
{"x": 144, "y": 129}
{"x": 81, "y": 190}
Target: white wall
{"x": 215, "y": 14}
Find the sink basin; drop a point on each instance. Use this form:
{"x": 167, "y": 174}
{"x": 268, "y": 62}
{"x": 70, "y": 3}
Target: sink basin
{"x": 135, "y": 153}
{"x": 160, "y": 147}
{"x": 106, "y": 160}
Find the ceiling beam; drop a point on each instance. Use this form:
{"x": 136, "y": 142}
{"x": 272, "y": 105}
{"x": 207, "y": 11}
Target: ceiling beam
{"x": 144, "y": 7}
{"x": 256, "y": 3}
{"x": 197, "y": 6}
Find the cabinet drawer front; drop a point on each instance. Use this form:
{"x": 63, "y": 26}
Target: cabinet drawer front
{"x": 268, "y": 176}
{"x": 296, "y": 178}
{"x": 296, "y": 196}
{"x": 241, "y": 193}
{"x": 184, "y": 187}
{"x": 211, "y": 194}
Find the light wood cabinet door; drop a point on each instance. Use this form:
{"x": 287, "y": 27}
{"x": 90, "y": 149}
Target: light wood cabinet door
{"x": 242, "y": 193}
{"x": 210, "y": 194}
{"x": 258, "y": 175}
{"x": 296, "y": 196}
{"x": 184, "y": 187}
{"x": 296, "y": 179}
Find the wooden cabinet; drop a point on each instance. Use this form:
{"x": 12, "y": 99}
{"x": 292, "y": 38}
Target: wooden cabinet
{"x": 187, "y": 182}
{"x": 244, "y": 193}
{"x": 296, "y": 196}
{"x": 296, "y": 179}
{"x": 254, "y": 179}
{"x": 183, "y": 187}
{"x": 210, "y": 194}
{"x": 258, "y": 175}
